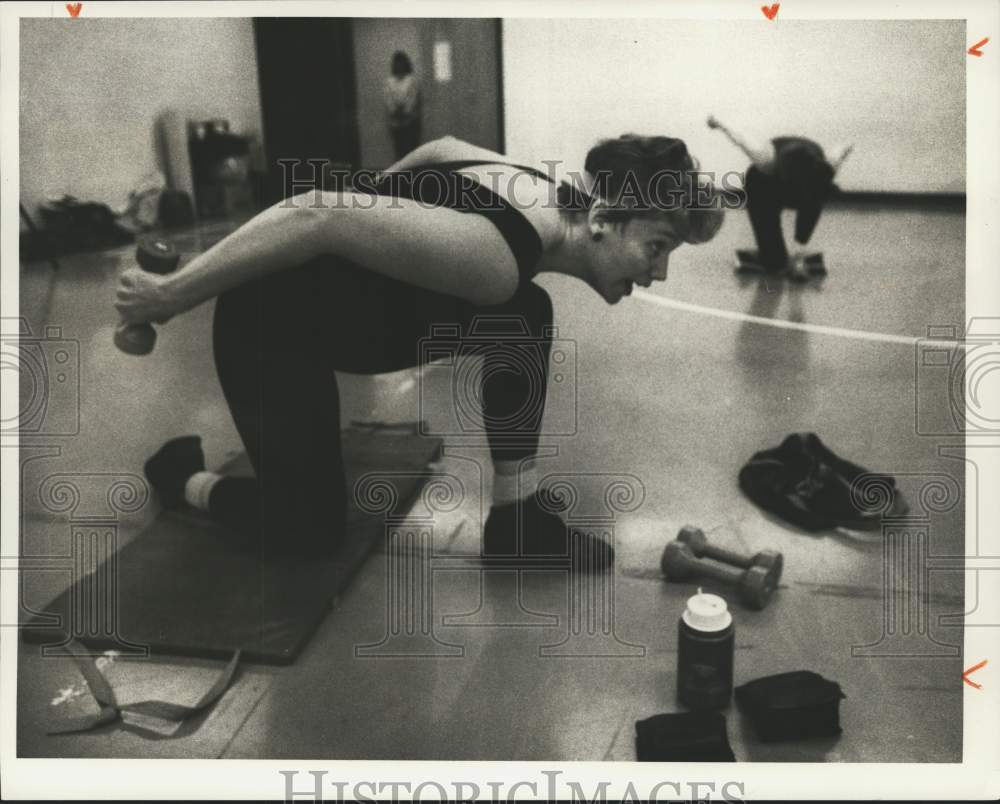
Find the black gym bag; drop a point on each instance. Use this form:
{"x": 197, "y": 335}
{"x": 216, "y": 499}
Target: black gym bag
{"x": 70, "y": 225}
{"x": 792, "y": 706}
{"x": 805, "y": 483}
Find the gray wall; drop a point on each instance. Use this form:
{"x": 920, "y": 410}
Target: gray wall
{"x": 895, "y": 88}
{"x": 91, "y": 90}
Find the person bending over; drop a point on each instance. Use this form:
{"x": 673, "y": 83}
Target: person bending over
{"x": 793, "y": 173}
{"x": 354, "y": 282}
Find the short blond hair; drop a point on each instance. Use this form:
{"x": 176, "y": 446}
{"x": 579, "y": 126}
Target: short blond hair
{"x": 641, "y": 176}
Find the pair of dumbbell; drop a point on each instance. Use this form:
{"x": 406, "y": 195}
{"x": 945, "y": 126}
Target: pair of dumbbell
{"x": 691, "y": 555}
{"x": 158, "y": 256}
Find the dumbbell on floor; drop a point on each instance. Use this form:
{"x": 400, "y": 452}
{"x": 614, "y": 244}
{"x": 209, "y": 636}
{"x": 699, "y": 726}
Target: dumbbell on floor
{"x": 755, "y": 583}
{"x": 157, "y": 256}
{"x": 696, "y": 539}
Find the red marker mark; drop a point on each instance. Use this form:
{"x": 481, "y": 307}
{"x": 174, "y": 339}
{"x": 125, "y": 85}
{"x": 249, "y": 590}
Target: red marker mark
{"x": 975, "y": 51}
{"x": 74, "y": 9}
{"x": 973, "y": 669}
{"x": 771, "y": 11}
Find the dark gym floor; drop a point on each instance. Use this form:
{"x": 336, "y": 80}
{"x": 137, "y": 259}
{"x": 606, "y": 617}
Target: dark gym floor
{"x": 673, "y": 399}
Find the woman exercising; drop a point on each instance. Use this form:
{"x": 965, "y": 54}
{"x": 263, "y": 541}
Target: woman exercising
{"x": 793, "y": 173}
{"x": 354, "y": 280}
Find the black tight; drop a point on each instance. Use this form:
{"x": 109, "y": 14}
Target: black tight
{"x": 765, "y": 201}
{"x": 764, "y": 206}
{"x": 277, "y": 342}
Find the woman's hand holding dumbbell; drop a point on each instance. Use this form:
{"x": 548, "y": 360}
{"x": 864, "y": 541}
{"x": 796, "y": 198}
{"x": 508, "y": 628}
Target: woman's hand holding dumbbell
{"x": 143, "y": 297}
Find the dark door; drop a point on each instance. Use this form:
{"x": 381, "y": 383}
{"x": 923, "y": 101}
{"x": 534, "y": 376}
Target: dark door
{"x": 307, "y": 94}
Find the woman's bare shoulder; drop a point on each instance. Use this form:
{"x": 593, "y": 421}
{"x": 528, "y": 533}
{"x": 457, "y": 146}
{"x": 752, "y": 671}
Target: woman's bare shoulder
{"x": 453, "y": 149}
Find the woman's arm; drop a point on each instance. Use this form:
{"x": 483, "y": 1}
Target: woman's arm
{"x": 388, "y": 96}
{"x": 284, "y": 235}
{"x": 424, "y": 246}
{"x": 436, "y": 248}
{"x": 759, "y": 156}
{"x": 412, "y": 95}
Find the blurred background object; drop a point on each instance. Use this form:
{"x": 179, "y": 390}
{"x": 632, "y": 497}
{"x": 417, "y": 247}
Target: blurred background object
{"x": 402, "y": 104}
{"x": 220, "y": 167}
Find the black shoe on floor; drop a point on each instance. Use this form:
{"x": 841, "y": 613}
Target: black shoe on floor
{"x": 544, "y": 538}
{"x": 169, "y": 469}
{"x": 807, "y": 484}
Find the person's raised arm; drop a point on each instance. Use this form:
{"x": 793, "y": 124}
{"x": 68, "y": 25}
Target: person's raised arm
{"x": 758, "y": 155}
{"x": 837, "y": 162}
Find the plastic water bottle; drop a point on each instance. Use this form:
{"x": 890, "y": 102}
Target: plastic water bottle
{"x": 705, "y": 647}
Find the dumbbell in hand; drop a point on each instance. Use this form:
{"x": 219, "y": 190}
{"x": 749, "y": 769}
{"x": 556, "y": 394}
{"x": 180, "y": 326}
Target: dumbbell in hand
{"x": 756, "y": 584}
{"x": 157, "y": 256}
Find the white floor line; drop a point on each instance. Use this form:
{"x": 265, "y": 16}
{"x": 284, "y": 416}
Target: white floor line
{"x": 841, "y": 332}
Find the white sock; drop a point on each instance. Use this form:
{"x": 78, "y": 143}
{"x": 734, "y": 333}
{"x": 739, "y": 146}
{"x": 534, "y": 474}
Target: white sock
{"x": 514, "y": 480}
{"x": 199, "y": 487}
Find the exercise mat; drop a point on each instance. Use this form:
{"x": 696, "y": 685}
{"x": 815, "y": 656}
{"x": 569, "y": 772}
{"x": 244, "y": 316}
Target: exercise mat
{"x": 182, "y": 588}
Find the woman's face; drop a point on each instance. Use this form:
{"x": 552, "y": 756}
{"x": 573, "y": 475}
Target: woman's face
{"x": 634, "y": 253}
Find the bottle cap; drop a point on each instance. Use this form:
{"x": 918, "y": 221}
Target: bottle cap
{"x": 707, "y": 612}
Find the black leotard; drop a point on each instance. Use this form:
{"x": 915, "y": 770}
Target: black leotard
{"x": 440, "y": 184}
